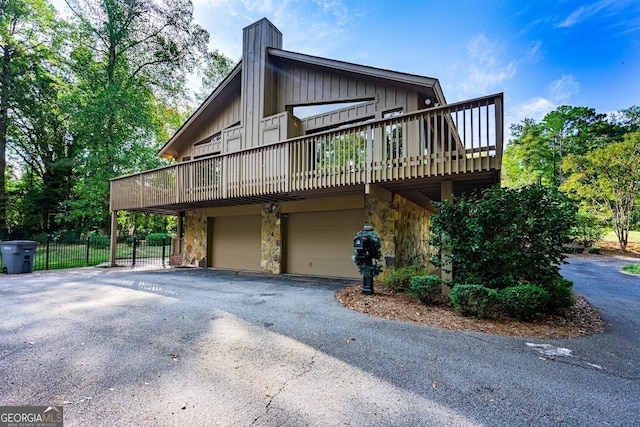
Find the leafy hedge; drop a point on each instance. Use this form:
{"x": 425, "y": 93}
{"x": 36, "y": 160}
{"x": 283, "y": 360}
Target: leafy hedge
{"x": 505, "y": 237}
{"x": 155, "y": 239}
{"x": 399, "y": 279}
{"x": 427, "y": 288}
{"x": 475, "y": 301}
{"x": 560, "y": 294}
{"x": 524, "y": 302}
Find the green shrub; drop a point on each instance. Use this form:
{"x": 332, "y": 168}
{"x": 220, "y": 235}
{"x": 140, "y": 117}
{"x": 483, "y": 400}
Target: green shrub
{"x": 99, "y": 241}
{"x": 475, "y": 301}
{"x": 594, "y": 250}
{"x": 155, "y": 239}
{"x": 560, "y": 294}
{"x": 506, "y": 236}
{"x": 587, "y": 229}
{"x": 427, "y": 288}
{"x": 524, "y": 302}
{"x": 399, "y": 279}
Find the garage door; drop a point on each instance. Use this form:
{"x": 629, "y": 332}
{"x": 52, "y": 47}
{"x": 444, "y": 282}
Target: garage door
{"x": 235, "y": 242}
{"x": 320, "y": 243}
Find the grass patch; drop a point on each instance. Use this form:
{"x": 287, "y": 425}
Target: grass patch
{"x": 610, "y": 236}
{"x": 632, "y": 269}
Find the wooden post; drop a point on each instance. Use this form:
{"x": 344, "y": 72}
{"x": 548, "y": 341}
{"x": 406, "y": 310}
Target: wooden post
{"x": 114, "y": 238}
{"x": 446, "y": 193}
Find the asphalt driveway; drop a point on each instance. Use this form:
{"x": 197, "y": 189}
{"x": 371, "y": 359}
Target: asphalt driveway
{"x": 204, "y": 348}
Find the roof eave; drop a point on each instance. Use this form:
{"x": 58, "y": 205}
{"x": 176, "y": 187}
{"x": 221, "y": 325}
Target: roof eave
{"x": 166, "y": 150}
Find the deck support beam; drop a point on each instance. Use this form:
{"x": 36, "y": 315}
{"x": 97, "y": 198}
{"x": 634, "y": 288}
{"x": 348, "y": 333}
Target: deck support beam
{"x": 114, "y": 238}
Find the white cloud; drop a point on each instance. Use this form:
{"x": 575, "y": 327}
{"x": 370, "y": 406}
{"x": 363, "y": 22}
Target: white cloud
{"x": 583, "y": 13}
{"x": 485, "y": 70}
{"x": 535, "y": 108}
{"x": 314, "y": 27}
{"x": 558, "y": 92}
{"x": 564, "y": 88}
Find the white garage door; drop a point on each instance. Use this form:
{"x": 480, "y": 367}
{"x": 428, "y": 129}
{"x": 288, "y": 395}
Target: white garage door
{"x": 236, "y": 242}
{"x": 321, "y": 243}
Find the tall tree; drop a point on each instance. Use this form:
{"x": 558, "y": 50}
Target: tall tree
{"x": 41, "y": 140}
{"x": 607, "y": 180}
{"x": 217, "y": 67}
{"x": 536, "y": 151}
{"x": 24, "y": 25}
{"x": 130, "y": 57}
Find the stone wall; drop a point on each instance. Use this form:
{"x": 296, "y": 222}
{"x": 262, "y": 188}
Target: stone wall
{"x": 411, "y": 232}
{"x": 271, "y": 242}
{"x": 403, "y": 227}
{"x": 381, "y": 214}
{"x": 194, "y": 246}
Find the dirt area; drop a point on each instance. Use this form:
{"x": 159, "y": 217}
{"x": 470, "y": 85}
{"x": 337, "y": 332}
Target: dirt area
{"x": 613, "y": 249}
{"x": 581, "y": 319}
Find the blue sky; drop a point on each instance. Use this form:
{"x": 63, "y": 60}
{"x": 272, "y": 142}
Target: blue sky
{"x": 541, "y": 54}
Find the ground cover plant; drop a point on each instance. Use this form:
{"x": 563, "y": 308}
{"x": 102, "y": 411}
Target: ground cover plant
{"x": 632, "y": 269}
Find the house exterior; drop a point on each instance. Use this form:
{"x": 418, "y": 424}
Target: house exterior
{"x": 256, "y": 186}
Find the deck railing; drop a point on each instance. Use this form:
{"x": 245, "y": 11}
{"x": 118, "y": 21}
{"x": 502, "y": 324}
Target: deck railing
{"x": 458, "y": 138}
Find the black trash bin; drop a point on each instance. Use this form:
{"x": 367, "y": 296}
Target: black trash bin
{"x": 18, "y": 256}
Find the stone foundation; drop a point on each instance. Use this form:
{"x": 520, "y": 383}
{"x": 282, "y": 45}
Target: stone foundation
{"x": 271, "y": 241}
{"x": 403, "y": 227}
{"x": 412, "y": 232}
{"x": 381, "y": 215}
{"x": 194, "y": 246}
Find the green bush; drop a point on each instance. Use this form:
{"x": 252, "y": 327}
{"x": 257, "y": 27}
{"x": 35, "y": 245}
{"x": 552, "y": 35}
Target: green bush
{"x": 506, "y": 236}
{"x": 560, "y": 294}
{"x": 524, "y": 302}
{"x": 594, "y": 250}
{"x": 475, "y": 301}
{"x": 155, "y": 239}
{"x": 427, "y": 288}
{"x": 99, "y": 241}
{"x": 399, "y": 279}
{"x": 587, "y": 229}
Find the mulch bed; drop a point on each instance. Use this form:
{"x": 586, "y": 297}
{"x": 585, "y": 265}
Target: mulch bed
{"x": 580, "y": 320}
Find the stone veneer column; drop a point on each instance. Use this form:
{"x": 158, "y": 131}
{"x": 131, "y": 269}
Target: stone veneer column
{"x": 380, "y": 213}
{"x": 412, "y": 232}
{"x": 194, "y": 249}
{"x": 271, "y": 241}
{"x": 402, "y": 225}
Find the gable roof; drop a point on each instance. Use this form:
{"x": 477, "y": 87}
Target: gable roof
{"x": 428, "y": 87}
{"x": 225, "y": 90}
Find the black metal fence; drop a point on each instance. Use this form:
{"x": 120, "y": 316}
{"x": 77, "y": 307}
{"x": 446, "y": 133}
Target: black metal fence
{"x": 55, "y": 253}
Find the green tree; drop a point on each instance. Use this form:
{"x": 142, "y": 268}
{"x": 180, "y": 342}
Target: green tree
{"x": 607, "y": 181}
{"x": 40, "y": 139}
{"x": 628, "y": 119}
{"x": 24, "y": 27}
{"x": 217, "y": 67}
{"x": 535, "y": 153}
{"x": 130, "y": 58}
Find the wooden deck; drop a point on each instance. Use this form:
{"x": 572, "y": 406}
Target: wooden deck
{"x": 460, "y": 142}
